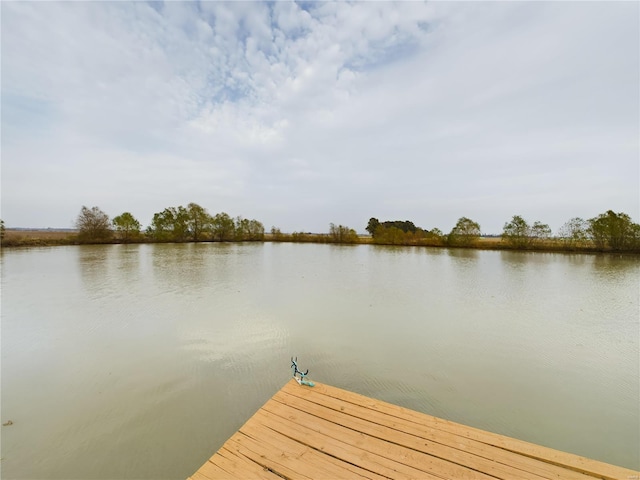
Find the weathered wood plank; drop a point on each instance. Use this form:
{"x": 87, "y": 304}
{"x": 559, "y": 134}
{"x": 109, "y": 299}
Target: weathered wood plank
{"x": 434, "y": 437}
{"x": 231, "y": 461}
{"x": 570, "y": 461}
{"x": 452, "y": 462}
{"x": 210, "y": 471}
{"x": 316, "y": 460}
{"x": 280, "y": 462}
{"x": 325, "y": 432}
{"x": 344, "y": 447}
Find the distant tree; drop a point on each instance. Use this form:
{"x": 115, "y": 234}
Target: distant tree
{"x": 160, "y": 228}
{"x": 276, "y": 234}
{"x": 223, "y": 227}
{"x": 181, "y": 224}
{"x": 127, "y": 226}
{"x": 390, "y": 235}
{"x": 256, "y": 231}
{"x": 248, "y": 230}
{"x": 372, "y": 225}
{"x": 2, "y": 229}
{"x": 93, "y": 225}
{"x": 405, "y": 226}
{"x": 342, "y": 234}
{"x": 465, "y": 233}
{"x": 172, "y": 224}
{"x": 517, "y": 232}
{"x": 433, "y": 237}
{"x": 540, "y": 232}
{"x": 241, "y": 229}
{"x": 574, "y": 232}
{"x": 198, "y": 221}
{"x": 409, "y": 233}
{"x": 613, "y": 230}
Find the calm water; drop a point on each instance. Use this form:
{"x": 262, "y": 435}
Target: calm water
{"x": 140, "y": 361}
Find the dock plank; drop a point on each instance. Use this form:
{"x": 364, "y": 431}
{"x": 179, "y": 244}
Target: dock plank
{"x": 317, "y": 461}
{"x": 566, "y": 461}
{"x": 282, "y": 462}
{"x": 326, "y": 432}
{"x": 211, "y": 471}
{"x": 348, "y": 449}
{"x": 447, "y": 445}
{"x": 232, "y": 462}
{"x": 385, "y": 442}
{"x": 453, "y": 460}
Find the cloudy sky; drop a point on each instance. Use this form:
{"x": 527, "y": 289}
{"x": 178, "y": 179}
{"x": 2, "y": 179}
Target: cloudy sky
{"x": 305, "y": 114}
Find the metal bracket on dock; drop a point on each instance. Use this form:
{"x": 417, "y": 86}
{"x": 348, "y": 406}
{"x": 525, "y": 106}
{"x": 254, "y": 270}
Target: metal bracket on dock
{"x": 300, "y": 376}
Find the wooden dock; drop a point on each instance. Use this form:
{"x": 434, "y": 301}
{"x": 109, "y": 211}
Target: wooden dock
{"x": 328, "y": 433}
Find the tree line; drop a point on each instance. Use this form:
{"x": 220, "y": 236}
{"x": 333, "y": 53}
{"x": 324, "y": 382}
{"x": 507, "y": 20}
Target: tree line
{"x": 192, "y": 223}
{"x": 397, "y": 232}
{"x": 608, "y": 231}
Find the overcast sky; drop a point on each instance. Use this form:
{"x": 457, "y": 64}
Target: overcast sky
{"x": 304, "y": 114}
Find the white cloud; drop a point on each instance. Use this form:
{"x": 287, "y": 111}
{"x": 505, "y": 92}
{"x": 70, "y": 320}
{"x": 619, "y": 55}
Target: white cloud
{"x": 334, "y": 112}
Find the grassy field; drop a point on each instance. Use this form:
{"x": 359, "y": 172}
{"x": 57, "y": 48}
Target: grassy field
{"x": 20, "y": 237}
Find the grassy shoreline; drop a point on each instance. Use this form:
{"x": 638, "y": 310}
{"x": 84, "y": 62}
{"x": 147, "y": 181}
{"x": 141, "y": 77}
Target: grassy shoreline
{"x": 17, "y": 238}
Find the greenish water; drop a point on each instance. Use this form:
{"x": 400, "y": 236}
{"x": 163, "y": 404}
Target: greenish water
{"x": 139, "y": 361}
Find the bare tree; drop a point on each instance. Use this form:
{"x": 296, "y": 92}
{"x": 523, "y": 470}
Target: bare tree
{"x": 574, "y": 233}
{"x": 93, "y": 225}
{"x": 342, "y": 234}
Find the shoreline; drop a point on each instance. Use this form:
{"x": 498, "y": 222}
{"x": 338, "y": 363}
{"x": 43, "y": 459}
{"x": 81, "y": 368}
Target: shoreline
{"x": 24, "y": 238}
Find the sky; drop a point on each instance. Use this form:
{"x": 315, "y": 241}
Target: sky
{"x": 304, "y": 114}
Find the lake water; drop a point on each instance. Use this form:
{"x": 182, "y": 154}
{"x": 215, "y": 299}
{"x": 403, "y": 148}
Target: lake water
{"x": 139, "y": 361}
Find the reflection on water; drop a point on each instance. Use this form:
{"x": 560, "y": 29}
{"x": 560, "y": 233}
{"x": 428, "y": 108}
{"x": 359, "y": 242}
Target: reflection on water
{"x": 138, "y": 361}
